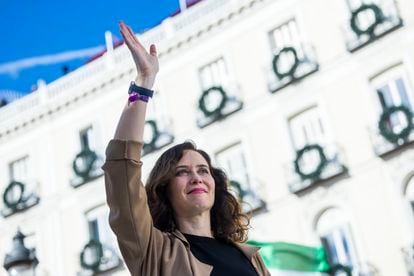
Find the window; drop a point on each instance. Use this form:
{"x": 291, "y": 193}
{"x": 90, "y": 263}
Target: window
{"x": 158, "y": 132}
{"x": 315, "y": 155}
{"x": 234, "y": 163}
{"x": 87, "y": 162}
{"x": 335, "y": 233}
{"x": 308, "y": 128}
{"x": 292, "y": 57}
{"x": 99, "y": 230}
{"x": 219, "y": 92}
{"x": 392, "y": 89}
{"x": 21, "y": 191}
{"x": 388, "y": 7}
{"x": 19, "y": 171}
{"x": 99, "y": 227}
{"x": 86, "y": 137}
{"x": 287, "y": 35}
{"x": 388, "y": 20}
{"x": 214, "y": 74}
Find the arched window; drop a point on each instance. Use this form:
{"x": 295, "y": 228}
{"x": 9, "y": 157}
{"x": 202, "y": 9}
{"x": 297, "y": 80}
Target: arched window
{"x": 334, "y": 230}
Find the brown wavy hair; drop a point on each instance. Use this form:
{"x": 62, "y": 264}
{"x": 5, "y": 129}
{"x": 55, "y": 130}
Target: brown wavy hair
{"x": 228, "y": 222}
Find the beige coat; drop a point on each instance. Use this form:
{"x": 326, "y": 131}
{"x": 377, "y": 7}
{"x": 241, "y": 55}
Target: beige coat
{"x": 147, "y": 250}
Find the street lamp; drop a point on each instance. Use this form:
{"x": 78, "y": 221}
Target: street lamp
{"x": 21, "y": 261}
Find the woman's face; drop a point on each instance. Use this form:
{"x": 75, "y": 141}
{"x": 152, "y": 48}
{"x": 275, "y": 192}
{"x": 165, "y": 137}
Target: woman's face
{"x": 191, "y": 191}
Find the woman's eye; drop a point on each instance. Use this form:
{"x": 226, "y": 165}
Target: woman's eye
{"x": 181, "y": 172}
{"x": 204, "y": 171}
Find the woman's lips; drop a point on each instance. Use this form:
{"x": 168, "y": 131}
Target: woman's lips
{"x": 197, "y": 191}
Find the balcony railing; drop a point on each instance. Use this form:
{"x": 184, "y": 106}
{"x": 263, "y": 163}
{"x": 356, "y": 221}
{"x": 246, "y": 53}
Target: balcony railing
{"x": 156, "y": 136}
{"x": 86, "y": 166}
{"x": 294, "y": 64}
{"x": 19, "y": 196}
{"x": 250, "y": 200}
{"x": 393, "y": 131}
{"x": 370, "y": 22}
{"x": 98, "y": 258}
{"x": 217, "y": 103}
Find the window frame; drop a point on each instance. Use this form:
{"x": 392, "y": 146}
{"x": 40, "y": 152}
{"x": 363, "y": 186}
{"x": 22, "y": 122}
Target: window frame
{"x": 384, "y": 78}
{"x": 338, "y": 221}
{"x": 251, "y": 186}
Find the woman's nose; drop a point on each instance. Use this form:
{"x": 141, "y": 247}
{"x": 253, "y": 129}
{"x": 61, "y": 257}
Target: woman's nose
{"x": 196, "y": 178}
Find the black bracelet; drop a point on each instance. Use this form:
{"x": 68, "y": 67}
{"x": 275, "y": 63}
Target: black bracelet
{"x": 133, "y": 88}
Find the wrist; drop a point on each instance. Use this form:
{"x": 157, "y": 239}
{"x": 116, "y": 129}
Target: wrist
{"x": 146, "y": 82}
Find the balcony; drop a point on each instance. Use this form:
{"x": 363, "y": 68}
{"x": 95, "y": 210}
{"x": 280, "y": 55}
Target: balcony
{"x": 393, "y": 131}
{"x": 156, "y": 136}
{"x": 87, "y": 167}
{"x": 217, "y": 103}
{"x": 290, "y": 65}
{"x": 371, "y": 22}
{"x": 18, "y": 197}
{"x": 98, "y": 259}
{"x": 314, "y": 165}
{"x": 248, "y": 198}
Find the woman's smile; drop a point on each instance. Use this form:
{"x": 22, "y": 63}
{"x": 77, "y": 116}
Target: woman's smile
{"x": 197, "y": 191}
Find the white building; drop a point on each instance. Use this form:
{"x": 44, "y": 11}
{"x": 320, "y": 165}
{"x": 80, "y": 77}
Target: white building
{"x": 303, "y": 80}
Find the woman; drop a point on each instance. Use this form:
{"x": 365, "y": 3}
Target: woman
{"x": 185, "y": 222}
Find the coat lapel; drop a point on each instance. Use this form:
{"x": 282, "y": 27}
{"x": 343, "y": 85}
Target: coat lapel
{"x": 199, "y": 268}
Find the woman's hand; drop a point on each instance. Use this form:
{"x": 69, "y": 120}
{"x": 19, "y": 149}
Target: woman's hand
{"x": 146, "y": 63}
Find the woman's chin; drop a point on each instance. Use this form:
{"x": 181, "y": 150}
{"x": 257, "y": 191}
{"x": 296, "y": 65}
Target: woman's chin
{"x": 200, "y": 206}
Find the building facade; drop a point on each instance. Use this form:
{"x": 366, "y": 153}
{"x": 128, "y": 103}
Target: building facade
{"x": 307, "y": 105}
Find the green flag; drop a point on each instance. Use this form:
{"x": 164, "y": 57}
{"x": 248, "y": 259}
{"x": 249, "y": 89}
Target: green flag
{"x": 294, "y": 257}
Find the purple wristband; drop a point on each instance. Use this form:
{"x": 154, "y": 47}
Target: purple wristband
{"x": 133, "y": 97}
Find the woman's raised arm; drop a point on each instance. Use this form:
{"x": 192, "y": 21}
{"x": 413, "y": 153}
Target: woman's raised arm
{"x": 132, "y": 121}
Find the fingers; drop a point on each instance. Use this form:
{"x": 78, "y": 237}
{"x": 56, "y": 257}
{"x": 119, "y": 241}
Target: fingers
{"x": 131, "y": 33}
{"x": 125, "y": 34}
{"x": 129, "y": 36}
{"x": 153, "y": 50}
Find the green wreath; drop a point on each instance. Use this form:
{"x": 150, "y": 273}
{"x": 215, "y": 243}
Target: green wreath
{"x": 155, "y": 135}
{"x": 386, "y": 130}
{"x": 90, "y": 157}
{"x": 318, "y": 171}
{"x": 218, "y": 110}
{"x": 97, "y": 247}
{"x": 379, "y": 19}
{"x": 291, "y": 72}
{"x": 13, "y": 205}
{"x": 340, "y": 268}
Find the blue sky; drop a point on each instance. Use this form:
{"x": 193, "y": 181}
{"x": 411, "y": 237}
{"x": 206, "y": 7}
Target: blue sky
{"x": 39, "y": 37}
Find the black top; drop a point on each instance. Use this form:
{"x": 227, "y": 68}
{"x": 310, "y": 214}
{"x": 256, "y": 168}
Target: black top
{"x": 225, "y": 258}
